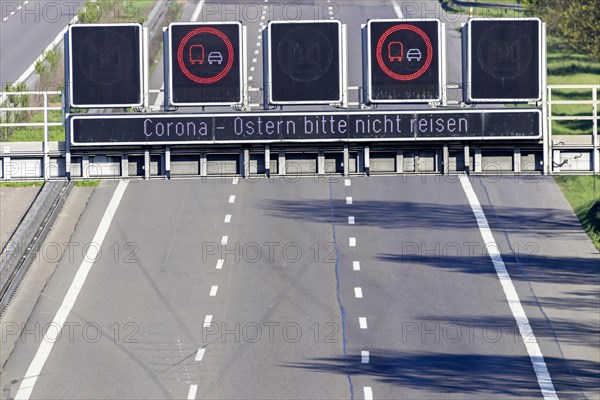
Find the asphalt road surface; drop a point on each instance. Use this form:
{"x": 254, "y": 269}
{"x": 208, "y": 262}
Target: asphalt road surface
{"x": 423, "y": 287}
{"x": 306, "y": 288}
{"x": 27, "y": 28}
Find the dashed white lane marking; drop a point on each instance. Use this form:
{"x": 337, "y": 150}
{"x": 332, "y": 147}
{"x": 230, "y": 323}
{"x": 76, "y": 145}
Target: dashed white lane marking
{"x": 254, "y": 60}
{"x": 364, "y": 357}
{"x": 4, "y": 19}
{"x": 358, "y": 292}
{"x": 252, "y": 68}
{"x": 220, "y": 263}
{"x": 256, "y": 51}
{"x": 529, "y": 339}
{"x": 228, "y": 218}
{"x": 12, "y": 12}
{"x": 362, "y": 322}
{"x": 26, "y": 2}
{"x": 368, "y": 392}
{"x": 398, "y": 9}
{"x": 192, "y": 392}
{"x": 213, "y": 290}
{"x": 19, "y": 8}
{"x": 37, "y": 364}
{"x": 236, "y": 180}
{"x": 356, "y": 265}
{"x": 207, "y": 321}
{"x": 197, "y": 11}
{"x": 232, "y": 199}
{"x": 351, "y": 220}
{"x": 348, "y": 200}
{"x": 159, "y": 98}
{"x": 352, "y": 242}
{"x": 200, "y": 354}
{"x": 224, "y": 240}
{"x": 347, "y": 182}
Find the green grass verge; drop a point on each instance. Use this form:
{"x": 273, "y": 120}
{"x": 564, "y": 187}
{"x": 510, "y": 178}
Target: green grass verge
{"x": 21, "y": 184}
{"x": 583, "y": 192}
{"x": 36, "y": 134}
{"x": 87, "y": 183}
{"x": 568, "y": 68}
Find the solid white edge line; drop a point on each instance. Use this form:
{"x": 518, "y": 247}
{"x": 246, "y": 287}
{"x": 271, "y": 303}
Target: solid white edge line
{"x": 364, "y": 357}
{"x": 213, "y": 290}
{"x": 397, "y": 9}
{"x": 356, "y": 265}
{"x": 368, "y": 393}
{"x": 192, "y": 392}
{"x": 358, "y": 292}
{"x": 37, "y": 364}
{"x": 200, "y": 354}
{"x": 529, "y": 339}
{"x": 362, "y": 322}
{"x": 197, "y": 11}
{"x": 220, "y": 263}
{"x": 207, "y": 321}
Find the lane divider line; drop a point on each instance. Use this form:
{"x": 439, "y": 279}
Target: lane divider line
{"x": 368, "y": 393}
{"x": 224, "y": 240}
{"x": 356, "y": 265}
{"x": 347, "y": 182}
{"x": 364, "y": 357}
{"x": 200, "y": 354}
{"x": 352, "y": 242}
{"x": 236, "y": 180}
{"x": 51, "y": 336}
{"x": 362, "y": 322}
{"x": 192, "y": 392}
{"x": 348, "y": 200}
{"x": 220, "y": 263}
{"x": 397, "y": 9}
{"x": 358, "y": 292}
{"x": 207, "y": 321}
{"x": 197, "y": 11}
{"x": 213, "y": 290}
{"x": 351, "y": 220}
{"x": 228, "y": 218}
{"x": 232, "y": 199}
{"x": 529, "y": 339}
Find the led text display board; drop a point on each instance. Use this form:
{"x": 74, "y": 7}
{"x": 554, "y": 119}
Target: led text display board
{"x": 144, "y": 129}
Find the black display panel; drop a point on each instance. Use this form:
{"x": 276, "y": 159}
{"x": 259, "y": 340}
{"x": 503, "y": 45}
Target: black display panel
{"x": 504, "y": 60}
{"x": 205, "y": 63}
{"x": 304, "y": 62}
{"x": 105, "y": 65}
{"x": 142, "y": 129}
{"x": 403, "y": 62}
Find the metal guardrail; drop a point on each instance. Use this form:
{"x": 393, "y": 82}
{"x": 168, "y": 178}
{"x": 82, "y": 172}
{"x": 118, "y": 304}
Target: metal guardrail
{"x": 587, "y": 145}
{"x": 24, "y": 244}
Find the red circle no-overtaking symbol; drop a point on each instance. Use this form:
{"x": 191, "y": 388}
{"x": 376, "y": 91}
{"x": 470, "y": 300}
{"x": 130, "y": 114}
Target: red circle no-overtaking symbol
{"x": 216, "y": 78}
{"x": 389, "y": 72}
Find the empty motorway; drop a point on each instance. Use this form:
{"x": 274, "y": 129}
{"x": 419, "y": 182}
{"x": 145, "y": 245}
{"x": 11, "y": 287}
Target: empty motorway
{"x": 330, "y": 287}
